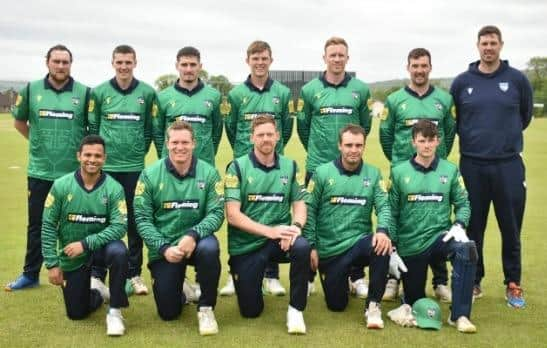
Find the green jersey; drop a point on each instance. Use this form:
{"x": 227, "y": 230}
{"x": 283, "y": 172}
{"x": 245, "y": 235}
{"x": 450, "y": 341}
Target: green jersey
{"x": 169, "y": 206}
{"x": 403, "y": 109}
{"x": 324, "y": 109}
{"x": 124, "y": 119}
{"x": 421, "y": 202}
{"x": 266, "y": 195}
{"x": 58, "y": 121}
{"x": 73, "y": 213}
{"x": 200, "y": 107}
{"x": 340, "y": 206}
{"x": 245, "y": 102}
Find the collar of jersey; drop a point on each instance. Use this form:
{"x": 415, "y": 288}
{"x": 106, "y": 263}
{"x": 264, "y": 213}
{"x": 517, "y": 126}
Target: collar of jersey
{"x": 267, "y": 86}
{"x": 259, "y": 165}
{"x": 344, "y": 82}
{"x": 66, "y": 88}
{"x": 191, "y": 171}
{"x": 474, "y": 68}
{"x": 423, "y": 169}
{"x": 80, "y": 181}
{"x": 134, "y": 83}
{"x": 344, "y": 171}
{"x": 416, "y": 95}
{"x": 189, "y": 92}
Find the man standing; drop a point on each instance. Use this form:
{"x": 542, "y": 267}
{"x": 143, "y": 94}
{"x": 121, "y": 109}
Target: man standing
{"x": 85, "y": 217}
{"x": 52, "y": 114}
{"x": 178, "y": 207}
{"x": 190, "y": 100}
{"x": 424, "y": 191}
{"x": 258, "y": 95}
{"x": 494, "y": 106}
{"x": 261, "y": 188}
{"x": 343, "y": 193}
{"x": 121, "y": 112}
{"x": 417, "y": 101}
{"x": 326, "y": 105}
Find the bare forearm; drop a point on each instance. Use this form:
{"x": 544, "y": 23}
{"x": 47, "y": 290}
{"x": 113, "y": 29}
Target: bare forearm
{"x": 22, "y": 127}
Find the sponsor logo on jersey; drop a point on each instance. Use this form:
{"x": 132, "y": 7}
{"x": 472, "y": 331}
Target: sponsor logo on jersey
{"x": 181, "y": 204}
{"x": 266, "y": 197}
{"x": 412, "y": 121}
{"x": 336, "y": 110}
{"x": 469, "y": 90}
{"x": 443, "y": 179}
{"x": 66, "y": 115}
{"x": 75, "y": 100}
{"x": 348, "y": 200}
{"x": 208, "y": 104}
{"x": 504, "y": 86}
{"x": 275, "y": 100}
{"x": 284, "y": 179}
{"x": 140, "y": 100}
{"x": 192, "y": 118}
{"x": 123, "y": 116}
{"x": 251, "y": 115}
{"x": 86, "y": 218}
{"x": 425, "y": 197}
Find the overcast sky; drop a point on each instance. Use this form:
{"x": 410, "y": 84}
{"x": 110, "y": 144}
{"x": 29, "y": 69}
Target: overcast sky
{"x": 379, "y": 34}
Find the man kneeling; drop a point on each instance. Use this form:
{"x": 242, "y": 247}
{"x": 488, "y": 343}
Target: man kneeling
{"x": 85, "y": 213}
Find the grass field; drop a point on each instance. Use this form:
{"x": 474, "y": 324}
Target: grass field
{"x": 36, "y": 317}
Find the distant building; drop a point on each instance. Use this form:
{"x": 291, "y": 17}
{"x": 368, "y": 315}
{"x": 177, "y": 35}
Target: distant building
{"x": 7, "y": 100}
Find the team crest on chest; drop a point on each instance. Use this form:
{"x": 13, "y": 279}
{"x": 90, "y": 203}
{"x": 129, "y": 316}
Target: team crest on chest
{"x": 366, "y": 182}
{"x": 75, "y": 101}
{"x": 250, "y": 179}
{"x": 38, "y": 98}
{"x": 104, "y": 200}
{"x": 403, "y": 106}
{"x": 406, "y": 179}
{"x": 284, "y": 179}
{"x": 108, "y": 100}
{"x": 443, "y": 179}
{"x": 469, "y": 90}
{"x": 69, "y": 197}
{"x": 140, "y": 100}
{"x": 355, "y": 95}
{"x": 439, "y": 106}
{"x": 504, "y": 86}
{"x": 201, "y": 184}
{"x": 275, "y": 100}
{"x": 208, "y": 104}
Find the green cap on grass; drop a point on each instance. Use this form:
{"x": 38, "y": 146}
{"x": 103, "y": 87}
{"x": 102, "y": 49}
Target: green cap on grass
{"x": 427, "y": 313}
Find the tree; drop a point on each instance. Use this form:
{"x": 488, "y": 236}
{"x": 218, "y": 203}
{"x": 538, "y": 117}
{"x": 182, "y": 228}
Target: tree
{"x": 537, "y": 73}
{"x": 221, "y": 83}
{"x": 165, "y": 81}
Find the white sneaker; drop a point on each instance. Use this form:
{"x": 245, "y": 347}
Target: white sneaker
{"x": 373, "y": 316}
{"x": 189, "y": 291}
{"x": 138, "y": 285}
{"x": 98, "y": 285}
{"x": 228, "y": 289}
{"x": 295, "y": 322}
{"x": 463, "y": 324}
{"x": 272, "y": 286}
{"x": 402, "y": 316}
{"x": 359, "y": 287}
{"x": 392, "y": 290}
{"x": 443, "y": 293}
{"x": 207, "y": 322}
{"x": 311, "y": 288}
{"x": 114, "y": 323}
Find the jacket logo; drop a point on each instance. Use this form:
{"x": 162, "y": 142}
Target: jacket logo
{"x": 504, "y": 86}
{"x": 469, "y": 90}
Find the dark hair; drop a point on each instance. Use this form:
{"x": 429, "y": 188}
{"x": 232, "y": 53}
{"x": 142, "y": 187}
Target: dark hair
{"x": 92, "y": 139}
{"x": 58, "y": 47}
{"x": 417, "y": 53}
{"x": 180, "y": 125}
{"x": 353, "y": 129}
{"x": 262, "y": 119}
{"x": 487, "y": 30}
{"x": 257, "y": 47}
{"x": 124, "y": 49}
{"x": 426, "y": 128}
{"x": 189, "y": 51}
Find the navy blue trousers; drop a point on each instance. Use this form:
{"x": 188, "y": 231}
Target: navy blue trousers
{"x": 80, "y": 300}
{"x": 248, "y": 273}
{"x": 463, "y": 257}
{"x": 128, "y": 180}
{"x": 502, "y": 183}
{"x": 168, "y": 279}
{"x": 334, "y": 272}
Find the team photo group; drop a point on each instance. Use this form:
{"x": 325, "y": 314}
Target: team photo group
{"x": 337, "y": 219}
